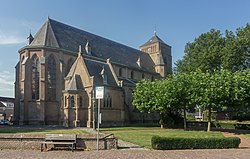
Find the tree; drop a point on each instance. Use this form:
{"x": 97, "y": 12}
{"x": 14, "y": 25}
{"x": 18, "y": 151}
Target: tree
{"x": 204, "y": 53}
{"x": 181, "y": 93}
{"x": 152, "y": 96}
{"x": 212, "y": 50}
{"x": 214, "y": 90}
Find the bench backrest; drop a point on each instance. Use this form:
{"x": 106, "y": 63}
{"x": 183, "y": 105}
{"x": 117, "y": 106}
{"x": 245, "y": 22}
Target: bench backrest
{"x": 60, "y": 137}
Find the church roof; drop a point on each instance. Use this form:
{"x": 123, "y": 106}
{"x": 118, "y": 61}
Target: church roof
{"x": 152, "y": 40}
{"x": 58, "y": 35}
{"x": 75, "y": 83}
{"x": 2, "y": 105}
{"x": 96, "y": 68}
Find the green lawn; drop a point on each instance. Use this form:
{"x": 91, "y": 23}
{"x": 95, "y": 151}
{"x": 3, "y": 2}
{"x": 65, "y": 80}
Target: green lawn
{"x": 248, "y": 136}
{"x": 19, "y": 130}
{"x": 142, "y": 135}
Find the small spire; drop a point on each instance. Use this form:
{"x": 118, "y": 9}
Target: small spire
{"x": 103, "y": 74}
{"x": 139, "y": 61}
{"x": 155, "y": 30}
{"x": 80, "y": 50}
{"x": 103, "y": 71}
{"x": 30, "y": 38}
{"x": 88, "y": 48}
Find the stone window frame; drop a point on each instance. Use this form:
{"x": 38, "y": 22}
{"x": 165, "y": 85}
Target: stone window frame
{"x": 107, "y": 101}
{"x": 35, "y": 77}
{"x": 51, "y": 75}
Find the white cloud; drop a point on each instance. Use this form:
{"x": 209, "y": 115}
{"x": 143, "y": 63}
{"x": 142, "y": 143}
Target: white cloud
{"x": 6, "y": 83}
{"x": 10, "y": 37}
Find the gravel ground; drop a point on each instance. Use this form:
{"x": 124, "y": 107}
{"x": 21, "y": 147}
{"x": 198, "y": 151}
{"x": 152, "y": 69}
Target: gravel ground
{"x": 128, "y": 154}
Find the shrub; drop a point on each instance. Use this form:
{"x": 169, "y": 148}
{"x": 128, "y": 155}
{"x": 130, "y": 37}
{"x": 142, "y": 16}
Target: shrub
{"x": 165, "y": 143}
{"x": 224, "y": 125}
{"x": 242, "y": 126}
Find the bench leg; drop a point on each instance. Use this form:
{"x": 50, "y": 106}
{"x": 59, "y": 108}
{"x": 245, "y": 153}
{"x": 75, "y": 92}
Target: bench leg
{"x": 41, "y": 147}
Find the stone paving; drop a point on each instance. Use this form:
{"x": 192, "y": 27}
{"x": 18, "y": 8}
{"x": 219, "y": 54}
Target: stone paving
{"x": 128, "y": 154}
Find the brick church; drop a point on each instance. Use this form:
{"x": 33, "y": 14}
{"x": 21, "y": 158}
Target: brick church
{"x": 60, "y": 67}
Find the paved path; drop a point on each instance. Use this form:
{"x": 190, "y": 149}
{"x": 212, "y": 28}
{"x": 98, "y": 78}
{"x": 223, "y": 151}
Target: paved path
{"x": 245, "y": 143}
{"x": 128, "y": 154}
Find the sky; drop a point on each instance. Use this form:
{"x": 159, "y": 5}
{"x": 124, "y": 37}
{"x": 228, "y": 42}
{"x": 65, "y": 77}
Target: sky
{"x": 130, "y": 22}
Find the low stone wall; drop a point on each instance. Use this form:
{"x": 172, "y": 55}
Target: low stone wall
{"x": 33, "y": 141}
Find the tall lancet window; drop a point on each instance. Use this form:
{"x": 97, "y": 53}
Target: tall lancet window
{"x": 69, "y": 65}
{"x": 35, "y": 75}
{"x": 51, "y": 74}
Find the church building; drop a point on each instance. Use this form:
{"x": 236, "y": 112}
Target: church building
{"x": 61, "y": 66}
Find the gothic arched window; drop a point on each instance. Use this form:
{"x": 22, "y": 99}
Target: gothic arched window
{"x": 51, "y": 74}
{"x": 72, "y": 101}
{"x": 69, "y": 65}
{"x": 120, "y": 71}
{"x": 35, "y": 75}
{"x": 80, "y": 101}
{"x": 132, "y": 75}
{"x": 108, "y": 101}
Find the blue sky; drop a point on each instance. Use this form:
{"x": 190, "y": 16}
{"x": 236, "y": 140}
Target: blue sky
{"x": 130, "y": 22}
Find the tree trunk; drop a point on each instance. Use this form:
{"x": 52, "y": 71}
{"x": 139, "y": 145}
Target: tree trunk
{"x": 209, "y": 120}
{"x": 161, "y": 120}
{"x": 184, "y": 119}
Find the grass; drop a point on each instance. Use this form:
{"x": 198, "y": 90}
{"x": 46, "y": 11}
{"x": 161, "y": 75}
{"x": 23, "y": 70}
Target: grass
{"x": 24, "y": 130}
{"x": 142, "y": 135}
{"x": 247, "y": 136}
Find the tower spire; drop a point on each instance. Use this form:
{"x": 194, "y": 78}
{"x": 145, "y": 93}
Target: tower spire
{"x": 155, "y": 30}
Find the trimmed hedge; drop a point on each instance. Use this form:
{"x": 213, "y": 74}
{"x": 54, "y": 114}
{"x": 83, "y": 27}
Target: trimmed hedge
{"x": 165, "y": 143}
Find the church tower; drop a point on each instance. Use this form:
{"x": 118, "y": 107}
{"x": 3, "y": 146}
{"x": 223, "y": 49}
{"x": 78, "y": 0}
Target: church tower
{"x": 160, "y": 52}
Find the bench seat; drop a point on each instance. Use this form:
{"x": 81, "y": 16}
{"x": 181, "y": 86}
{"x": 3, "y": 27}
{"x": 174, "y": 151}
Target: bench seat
{"x": 59, "y": 139}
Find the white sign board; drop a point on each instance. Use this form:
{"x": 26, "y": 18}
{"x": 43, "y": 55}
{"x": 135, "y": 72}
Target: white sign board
{"x": 99, "y": 92}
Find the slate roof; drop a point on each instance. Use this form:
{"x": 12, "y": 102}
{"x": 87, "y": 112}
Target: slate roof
{"x": 75, "y": 83}
{"x": 2, "y": 105}
{"x": 7, "y": 99}
{"x": 95, "y": 69}
{"x": 58, "y": 35}
{"x": 152, "y": 40}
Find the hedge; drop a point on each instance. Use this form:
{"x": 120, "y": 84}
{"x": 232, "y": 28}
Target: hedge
{"x": 166, "y": 143}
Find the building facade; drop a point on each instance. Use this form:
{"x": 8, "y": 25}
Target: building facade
{"x": 7, "y": 108}
{"x": 61, "y": 66}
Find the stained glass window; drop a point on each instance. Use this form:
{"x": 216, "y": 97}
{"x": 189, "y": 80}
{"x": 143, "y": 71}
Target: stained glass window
{"x": 51, "y": 74}
{"x": 35, "y": 75}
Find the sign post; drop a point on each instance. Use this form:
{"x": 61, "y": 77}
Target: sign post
{"x": 99, "y": 94}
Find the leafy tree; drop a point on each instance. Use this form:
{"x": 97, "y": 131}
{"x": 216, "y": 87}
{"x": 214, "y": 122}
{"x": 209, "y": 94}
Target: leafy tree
{"x": 212, "y": 50}
{"x": 204, "y": 53}
{"x": 152, "y": 96}
{"x": 181, "y": 93}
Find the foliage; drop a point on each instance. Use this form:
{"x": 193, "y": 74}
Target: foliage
{"x": 212, "y": 50}
{"x": 168, "y": 143}
{"x": 214, "y": 90}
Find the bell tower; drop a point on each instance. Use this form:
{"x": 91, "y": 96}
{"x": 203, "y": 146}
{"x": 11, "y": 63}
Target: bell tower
{"x": 160, "y": 52}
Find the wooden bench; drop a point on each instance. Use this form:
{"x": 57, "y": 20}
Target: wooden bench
{"x": 60, "y": 139}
